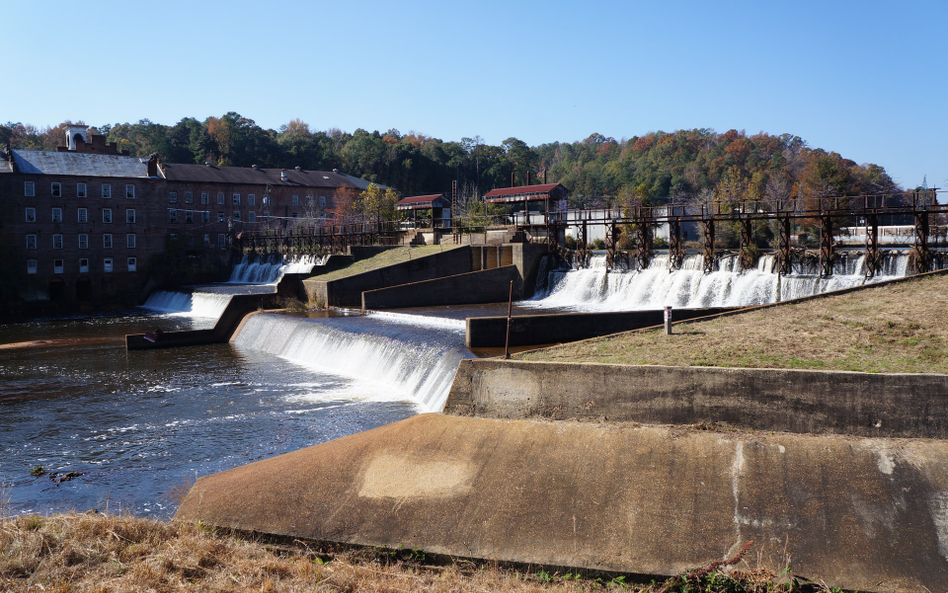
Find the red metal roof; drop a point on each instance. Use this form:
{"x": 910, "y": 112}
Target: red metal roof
{"x": 426, "y": 201}
{"x": 523, "y": 190}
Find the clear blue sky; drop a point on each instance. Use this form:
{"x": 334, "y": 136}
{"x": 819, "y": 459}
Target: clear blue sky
{"x": 866, "y": 79}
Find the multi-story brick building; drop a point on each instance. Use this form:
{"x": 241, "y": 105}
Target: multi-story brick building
{"x": 85, "y": 224}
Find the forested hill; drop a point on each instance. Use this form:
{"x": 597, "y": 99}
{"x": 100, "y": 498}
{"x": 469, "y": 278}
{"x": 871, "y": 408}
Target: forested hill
{"x": 655, "y": 166}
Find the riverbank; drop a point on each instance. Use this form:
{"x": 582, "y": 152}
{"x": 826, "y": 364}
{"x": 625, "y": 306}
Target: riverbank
{"x": 896, "y": 328}
{"x": 98, "y": 552}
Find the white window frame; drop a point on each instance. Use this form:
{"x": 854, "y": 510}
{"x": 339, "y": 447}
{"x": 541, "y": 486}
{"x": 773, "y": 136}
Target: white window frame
{"x": 205, "y": 198}
{"x": 131, "y": 241}
{"x": 130, "y": 215}
{"x": 188, "y": 197}
{"x": 29, "y": 214}
{"x": 31, "y": 266}
{"x": 295, "y": 200}
{"x": 58, "y": 266}
{"x": 236, "y": 199}
{"x": 107, "y": 241}
{"x": 188, "y": 216}
{"x": 56, "y": 189}
{"x": 251, "y": 199}
{"x": 107, "y": 264}
{"x": 106, "y": 216}
{"x": 220, "y": 216}
{"x": 205, "y": 216}
{"x": 29, "y": 189}
{"x": 57, "y": 241}
{"x": 251, "y": 216}
{"x": 31, "y": 242}
{"x": 322, "y": 201}
{"x": 237, "y": 215}
{"x": 81, "y": 190}
{"x": 83, "y": 265}
{"x": 107, "y": 191}
{"x": 172, "y": 197}
{"x": 83, "y": 241}
{"x": 82, "y": 215}
{"x": 132, "y": 263}
{"x": 130, "y": 191}
{"x": 57, "y": 215}
{"x": 221, "y": 198}
{"x": 173, "y": 216}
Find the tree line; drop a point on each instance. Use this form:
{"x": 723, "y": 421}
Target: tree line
{"x": 685, "y": 165}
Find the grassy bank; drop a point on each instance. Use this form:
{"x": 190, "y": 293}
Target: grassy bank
{"x": 104, "y": 553}
{"x": 389, "y": 257}
{"x": 894, "y": 328}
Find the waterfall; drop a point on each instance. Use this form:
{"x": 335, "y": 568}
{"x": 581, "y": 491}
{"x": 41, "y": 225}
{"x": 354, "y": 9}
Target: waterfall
{"x": 597, "y": 288}
{"x": 196, "y": 304}
{"x": 408, "y": 361}
{"x": 269, "y": 270}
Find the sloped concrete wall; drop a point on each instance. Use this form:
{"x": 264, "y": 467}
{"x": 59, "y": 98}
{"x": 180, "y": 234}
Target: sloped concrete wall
{"x": 865, "y": 404}
{"x": 485, "y": 286}
{"x": 865, "y": 514}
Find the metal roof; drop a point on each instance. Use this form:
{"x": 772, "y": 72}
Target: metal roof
{"x": 41, "y": 162}
{"x": 422, "y": 202}
{"x": 260, "y": 176}
{"x": 522, "y": 192}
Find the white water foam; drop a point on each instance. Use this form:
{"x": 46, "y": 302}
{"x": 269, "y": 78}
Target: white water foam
{"x": 598, "y": 289}
{"x": 387, "y": 361}
{"x": 197, "y": 304}
{"x": 271, "y": 270}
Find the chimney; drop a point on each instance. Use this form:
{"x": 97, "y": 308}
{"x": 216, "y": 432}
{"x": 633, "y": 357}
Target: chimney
{"x": 207, "y": 163}
{"x": 153, "y": 164}
{"x": 298, "y": 168}
{"x": 544, "y": 176}
{"x": 253, "y": 166}
{"x": 512, "y": 178}
{"x": 528, "y": 177}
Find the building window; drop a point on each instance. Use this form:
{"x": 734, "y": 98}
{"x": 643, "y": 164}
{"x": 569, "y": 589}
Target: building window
{"x": 205, "y": 216}
{"x": 82, "y": 215}
{"x": 31, "y": 266}
{"x": 207, "y": 239}
{"x": 56, "y": 189}
{"x": 322, "y": 201}
{"x": 172, "y": 197}
{"x": 107, "y": 241}
{"x": 29, "y": 190}
{"x": 252, "y": 216}
{"x": 221, "y": 240}
{"x": 236, "y": 199}
{"x": 204, "y": 198}
{"x": 309, "y": 200}
{"x": 83, "y": 241}
{"x": 130, "y": 191}
{"x": 188, "y": 197}
{"x": 31, "y": 241}
{"x": 130, "y": 240}
{"x": 220, "y": 198}
{"x": 107, "y": 215}
{"x": 57, "y": 214}
{"x": 107, "y": 264}
{"x": 106, "y": 190}
{"x": 296, "y": 200}
{"x": 220, "y": 217}
{"x": 237, "y": 215}
{"x": 188, "y": 217}
{"x": 251, "y": 200}
{"x": 80, "y": 190}
{"x": 133, "y": 264}
{"x": 31, "y": 215}
{"x": 57, "y": 241}
{"x": 173, "y": 236}
{"x": 83, "y": 265}
{"x": 130, "y": 215}
{"x": 172, "y": 216}
{"x": 57, "y": 266}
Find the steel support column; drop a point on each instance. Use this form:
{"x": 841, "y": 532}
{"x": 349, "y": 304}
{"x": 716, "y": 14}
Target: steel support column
{"x": 873, "y": 258}
{"x": 708, "y": 227}
{"x": 642, "y": 240}
{"x": 783, "y": 246}
{"x": 922, "y": 255}
{"x": 675, "y": 254}
{"x": 826, "y": 245}
{"x": 748, "y": 261}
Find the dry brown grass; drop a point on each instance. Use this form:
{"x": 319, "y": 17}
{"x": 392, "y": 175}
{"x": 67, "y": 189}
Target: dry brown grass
{"x": 106, "y": 553}
{"x": 895, "y": 328}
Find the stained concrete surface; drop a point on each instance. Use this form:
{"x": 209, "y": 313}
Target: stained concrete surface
{"x": 859, "y": 513}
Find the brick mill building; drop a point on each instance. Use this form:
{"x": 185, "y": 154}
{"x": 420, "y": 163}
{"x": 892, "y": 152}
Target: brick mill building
{"x": 86, "y": 224}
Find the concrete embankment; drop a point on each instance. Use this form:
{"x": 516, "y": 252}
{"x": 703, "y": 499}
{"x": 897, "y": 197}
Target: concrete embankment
{"x": 866, "y": 514}
{"x": 526, "y": 330}
{"x": 818, "y": 402}
{"x": 485, "y": 286}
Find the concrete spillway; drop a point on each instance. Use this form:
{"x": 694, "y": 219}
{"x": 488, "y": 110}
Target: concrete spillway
{"x": 866, "y": 514}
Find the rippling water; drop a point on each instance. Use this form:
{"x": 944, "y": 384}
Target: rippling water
{"x": 141, "y": 426}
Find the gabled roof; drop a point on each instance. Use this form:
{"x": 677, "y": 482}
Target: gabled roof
{"x": 42, "y": 162}
{"x": 260, "y": 176}
{"x": 422, "y": 202}
{"x": 519, "y": 193}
